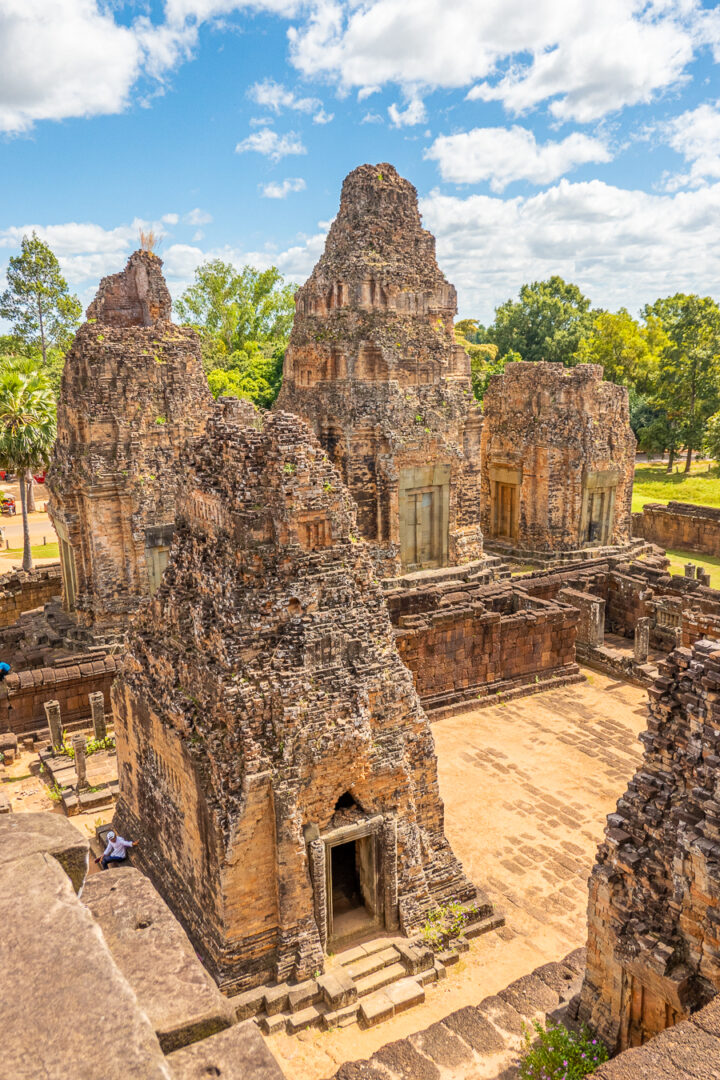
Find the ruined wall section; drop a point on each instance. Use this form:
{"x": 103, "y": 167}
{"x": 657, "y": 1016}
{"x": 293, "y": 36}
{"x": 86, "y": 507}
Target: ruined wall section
{"x": 558, "y": 458}
{"x": 680, "y": 526}
{"x": 654, "y": 909}
{"x": 133, "y": 391}
{"x": 263, "y": 684}
{"x": 373, "y": 367}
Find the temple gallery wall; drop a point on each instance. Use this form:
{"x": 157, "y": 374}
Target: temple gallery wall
{"x": 275, "y": 606}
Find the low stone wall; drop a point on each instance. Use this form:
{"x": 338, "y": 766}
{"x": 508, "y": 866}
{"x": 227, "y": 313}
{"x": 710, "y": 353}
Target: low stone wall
{"x": 24, "y": 693}
{"x": 679, "y": 525}
{"x": 22, "y": 590}
{"x": 459, "y": 642}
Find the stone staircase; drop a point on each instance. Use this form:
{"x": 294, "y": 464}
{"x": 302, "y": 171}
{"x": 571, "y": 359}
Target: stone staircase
{"x": 365, "y": 984}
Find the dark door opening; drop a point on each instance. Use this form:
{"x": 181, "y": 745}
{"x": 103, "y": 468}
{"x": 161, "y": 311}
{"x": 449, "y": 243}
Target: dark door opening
{"x": 352, "y": 876}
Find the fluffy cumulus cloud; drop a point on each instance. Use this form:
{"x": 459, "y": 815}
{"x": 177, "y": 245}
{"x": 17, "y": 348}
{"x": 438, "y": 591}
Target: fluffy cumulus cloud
{"x": 276, "y": 97}
{"x": 413, "y": 113}
{"x": 584, "y": 59}
{"x": 696, "y": 135}
{"x": 623, "y": 248}
{"x": 268, "y": 143}
{"x": 281, "y": 190}
{"x": 502, "y": 155}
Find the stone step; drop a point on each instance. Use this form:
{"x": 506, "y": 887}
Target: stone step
{"x": 389, "y": 1001}
{"x": 366, "y": 965}
{"x": 483, "y": 926}
{"x": 448, "y": 957}
{"x": 368, "y": 948}
{"x": 311, "y": 1017}
{"x": 379, "y": 979}
{"x": 341, "y": 1017}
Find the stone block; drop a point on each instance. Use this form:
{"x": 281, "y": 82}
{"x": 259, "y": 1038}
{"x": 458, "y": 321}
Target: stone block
{"x": 442, "y": 1046}
{"x": 470, "y": 1024}
{"x": 249, "y": 1003}
{"x": 529, "y": 996}
{"x": 275, "y": 999}
{"x": 374, "y": 1009}
{"x": 307, "y": 1018}
{"x": 24, "y": 834}
{"x": 240, "y": 1053}
{"x": 155, "y": 956}
{"x": 303, "y": 995}
{"x": 338, "y": 988}
{"x": 404, "y": 1062}
{"x": 83, "y": 1022}
{"x": 405, "y": 993}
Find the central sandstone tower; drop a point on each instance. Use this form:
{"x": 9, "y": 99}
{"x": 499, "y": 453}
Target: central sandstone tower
{"x": 373, "y": 367}
{"x": 273, "y": 754}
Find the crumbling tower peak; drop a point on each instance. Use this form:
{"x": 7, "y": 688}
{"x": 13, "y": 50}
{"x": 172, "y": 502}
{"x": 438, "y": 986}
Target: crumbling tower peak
{"x": 137, "y": 296}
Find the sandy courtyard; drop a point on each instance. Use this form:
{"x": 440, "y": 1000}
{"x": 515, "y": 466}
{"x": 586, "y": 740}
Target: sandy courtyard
{"x": 527, "y": 786}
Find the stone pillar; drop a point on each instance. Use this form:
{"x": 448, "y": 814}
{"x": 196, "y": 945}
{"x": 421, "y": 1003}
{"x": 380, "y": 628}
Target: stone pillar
{"x": 703, "y": 578}
{"x": 52, "y": 712}
{"x": 389, "y": 866}
{"x": 97, "y": 708}
{"x": 690, "y": 570}
{"x": 78, "y": 743}
{"x": 642, "y": 641}
{"x": 316, "y": 852}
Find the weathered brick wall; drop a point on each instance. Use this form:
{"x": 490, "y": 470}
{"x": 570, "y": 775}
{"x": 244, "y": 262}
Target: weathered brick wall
{"x": 133, "y": 391}
{"x": 261, "y": 685}
{"x": 455, "y": 648}
{"x": 24, "y": 693}
{"x": 654, "y": 910}
{"x": 373, "y": 366}
{"x": 22, "y": 590}
{"x": 680, "y": 526}
{"x": 556, "y": 435}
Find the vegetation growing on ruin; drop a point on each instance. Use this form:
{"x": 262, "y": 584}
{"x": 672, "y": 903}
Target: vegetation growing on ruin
{"x": 556, "y": 1053}
{"x": 445, "y": 923}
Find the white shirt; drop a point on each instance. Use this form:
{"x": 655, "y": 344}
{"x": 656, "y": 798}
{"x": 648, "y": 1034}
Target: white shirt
{"x": 117, "y": 847}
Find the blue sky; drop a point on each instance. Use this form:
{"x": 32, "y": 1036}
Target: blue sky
{"x": 563, "y": 136}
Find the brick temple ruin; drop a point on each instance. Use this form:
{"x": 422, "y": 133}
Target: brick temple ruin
{"x": 654, "y": 912}
{"x": 374, "y": 368}
{"x": 133, "y": 391}
{"x": 273, "y": 753}
{"x": 558, "y": 458}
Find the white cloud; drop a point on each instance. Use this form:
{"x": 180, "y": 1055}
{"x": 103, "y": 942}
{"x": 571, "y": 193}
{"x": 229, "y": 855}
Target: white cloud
{"x": 622, "y": 247}
{"x": 197, "y": 217}
{"x": 696, "y": 135}
{"x": 268, "y": 142}
{"x": 502, "y": 155}
{"x": 372, "y": 118}
{"x": 275, "y": 190}
{"x": 170, "y": 219}
{"x": 413, "y": 113}
{"x": 585, "y": 58}
{"x": 272, "y": 95}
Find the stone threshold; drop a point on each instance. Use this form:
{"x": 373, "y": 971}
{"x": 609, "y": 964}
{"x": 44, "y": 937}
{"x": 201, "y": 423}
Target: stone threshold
{"x": 480, "y": 697}
{"x": 367, "y": 984}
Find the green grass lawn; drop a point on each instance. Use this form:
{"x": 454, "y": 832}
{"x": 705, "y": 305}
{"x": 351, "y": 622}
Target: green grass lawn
{"x": 653, "y": 484}
{"x": 39, "y": 551}
{"x": 709, "y": 563}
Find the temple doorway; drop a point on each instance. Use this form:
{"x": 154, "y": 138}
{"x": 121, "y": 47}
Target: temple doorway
{"x": 506, "y": 511}
{"x": 352, "y": 891}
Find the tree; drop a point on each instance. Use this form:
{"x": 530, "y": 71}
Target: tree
{"x": 483, "y": 356}
{"x": 687, "y": 386}
{"x": 712, "y": 437}
{"x": 27, "y": 433}
{"x": 37, "y": 301}
{"x": 628, "y": 351}
{"x": 230, "y": 309}
{"x": 256, "y": 377}
{"x": 548, "y": 322}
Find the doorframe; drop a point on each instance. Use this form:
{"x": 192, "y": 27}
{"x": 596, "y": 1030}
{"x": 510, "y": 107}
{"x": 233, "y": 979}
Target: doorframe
{"x": 349, "y": 834}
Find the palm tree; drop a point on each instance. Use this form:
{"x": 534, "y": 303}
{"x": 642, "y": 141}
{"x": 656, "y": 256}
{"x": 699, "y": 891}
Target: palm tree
{"x": 27, "y": 432}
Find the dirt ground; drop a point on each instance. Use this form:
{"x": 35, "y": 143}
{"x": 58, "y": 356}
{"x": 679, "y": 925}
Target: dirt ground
{"x": 527, "y": 786}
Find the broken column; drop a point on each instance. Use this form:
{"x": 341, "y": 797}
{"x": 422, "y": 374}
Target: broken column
{"x": 52, "y": 712}
{"x": 133, "y": 390}
{"x": 97, "y": 708}
{"x": 689, "y": 570}
{"x": 642, "y": 640}
{"x": 79, "y": 746}
{"x": 653, "y": 916}
{"x": 374, "y": 368}
{"x": 264, "y": 716}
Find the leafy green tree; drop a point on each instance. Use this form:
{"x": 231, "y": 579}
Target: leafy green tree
{"x": 547, "y": 322}
{"x": 483, "y": 356}
{"x": 252, "y": 375}
{"x": 27, "y": 433}
{"x": 231, "y": 308}
{"x": 628, "y": 351}
{"x": 37, "y": 301}
{"x": 712, "y": 437}
{"x": 687, "y": 386}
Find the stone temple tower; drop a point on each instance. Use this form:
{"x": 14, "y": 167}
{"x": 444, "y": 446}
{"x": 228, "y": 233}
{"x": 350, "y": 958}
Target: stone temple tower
{"x": 273, "y": 754}
{"x": 373, "y": 367}
{"x": 133, "y": 390}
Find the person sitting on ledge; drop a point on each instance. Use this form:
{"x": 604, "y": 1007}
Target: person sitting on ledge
{"x": 116, "y": 850}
